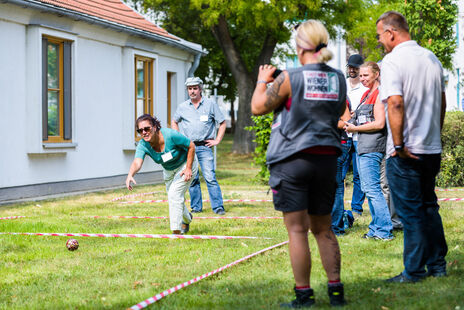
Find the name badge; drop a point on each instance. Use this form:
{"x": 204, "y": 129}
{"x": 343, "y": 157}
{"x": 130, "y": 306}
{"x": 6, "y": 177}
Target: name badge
{"x": 166, "y": 157}
{"x": 362, "y": 119}
{"x": 203, "y": 118}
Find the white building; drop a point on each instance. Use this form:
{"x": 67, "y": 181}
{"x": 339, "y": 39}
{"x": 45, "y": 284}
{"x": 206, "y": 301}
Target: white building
{"x": 455, "y": 79}
{"x": 74, "y": 76}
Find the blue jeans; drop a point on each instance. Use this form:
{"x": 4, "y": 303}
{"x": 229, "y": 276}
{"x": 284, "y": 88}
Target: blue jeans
{"x": 369, "y": 171}
{"x": 206, "y": 160}
{"x": 357, "y": 199}
{"x": 412, "y": 186}
{"x": 338, "y": 206}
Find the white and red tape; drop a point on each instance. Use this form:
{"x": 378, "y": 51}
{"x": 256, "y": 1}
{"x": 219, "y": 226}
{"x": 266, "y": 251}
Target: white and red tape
{"x": 165, "y": 293}
{"x": 11, "y": 217}
{"x": 131, "y": 236}
{"x": 197, "y": 217}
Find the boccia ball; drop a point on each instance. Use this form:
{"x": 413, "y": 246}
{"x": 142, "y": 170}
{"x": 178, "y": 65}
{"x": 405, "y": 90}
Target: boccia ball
{"x": 72, "y": 244}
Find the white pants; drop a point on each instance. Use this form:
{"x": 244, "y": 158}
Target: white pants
{"x": 176, "y": 188}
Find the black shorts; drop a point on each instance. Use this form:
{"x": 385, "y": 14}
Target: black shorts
{"x": 304, "y": 182}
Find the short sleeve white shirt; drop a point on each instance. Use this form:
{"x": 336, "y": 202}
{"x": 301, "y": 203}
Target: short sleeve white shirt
{"x": 354, "y": 94}
{"x": 416, "y": 74}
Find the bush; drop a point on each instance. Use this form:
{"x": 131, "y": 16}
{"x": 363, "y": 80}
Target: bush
{"x": 451, "y": 173}
{"x": 262, "y": 129}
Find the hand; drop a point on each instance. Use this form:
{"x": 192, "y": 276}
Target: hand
{"x": 265, "y": 73}
{"x": 211, "y": 143}
{"x": 187, "y": 174}
{"x": 128, "y": 182}
{"x": 404, "y": 154}
{"x": 349, "y": 127}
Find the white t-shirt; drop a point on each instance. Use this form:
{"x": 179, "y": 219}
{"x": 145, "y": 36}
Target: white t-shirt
{"x": 354, "y": 94}
{"x": 416, "y": 74}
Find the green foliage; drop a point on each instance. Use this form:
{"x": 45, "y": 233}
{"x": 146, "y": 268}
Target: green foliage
{"x": 262, "y": 129}
{"x": 431, "y": 24}
{"x": 362, "y": 35}
{"x": 452, "y": 164}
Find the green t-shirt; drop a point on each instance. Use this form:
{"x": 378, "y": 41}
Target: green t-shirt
{"x": 175, "y": 149}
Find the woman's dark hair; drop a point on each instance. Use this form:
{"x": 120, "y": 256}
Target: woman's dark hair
{"x": 147, "y": 117}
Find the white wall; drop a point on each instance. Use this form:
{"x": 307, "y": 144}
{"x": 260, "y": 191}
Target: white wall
{"x": 454, "y": 91}
{"x": 102, "y": 95}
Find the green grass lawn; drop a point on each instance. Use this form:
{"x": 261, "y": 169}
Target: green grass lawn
{"x": 115, "y": 273}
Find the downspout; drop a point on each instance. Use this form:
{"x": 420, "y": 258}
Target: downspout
{"x": 194, "y": 67}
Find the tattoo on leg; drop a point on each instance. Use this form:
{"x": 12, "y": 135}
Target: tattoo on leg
{"x": 336, "y": 252}
{"x": 273, "y": 98}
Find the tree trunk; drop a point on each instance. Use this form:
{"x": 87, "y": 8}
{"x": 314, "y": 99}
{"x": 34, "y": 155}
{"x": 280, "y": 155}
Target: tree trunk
{"x": 245, "y": 80}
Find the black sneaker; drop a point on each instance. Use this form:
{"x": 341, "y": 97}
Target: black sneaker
{"x": 196, "y": 211}
{"x": 304, "y": 299}
{"x": 336, "y": 295}
{"x": 221, "y": 212}
{"x": 186, "y": 227}
{"x": 401, "y": 278}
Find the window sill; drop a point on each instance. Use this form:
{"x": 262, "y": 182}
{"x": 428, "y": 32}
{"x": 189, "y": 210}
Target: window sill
{"x": 66, "y": 145}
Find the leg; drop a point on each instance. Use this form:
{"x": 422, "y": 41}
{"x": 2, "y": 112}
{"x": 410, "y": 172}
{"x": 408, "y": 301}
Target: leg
{"x": 357, "y": 199}
{"x": 196, "y": 200}
{"x": 206, "y": 159}
{"x": 338, "y": 206}
{"x": 386, "y": 193}
{"x": 436, "y": 263}
{"x": 327, "y": 244}
{"x": 405, "y": 185}
{"x": 297, "y": 224}
{"x": 369, "y": 165}
{"x": 178, "y": 212}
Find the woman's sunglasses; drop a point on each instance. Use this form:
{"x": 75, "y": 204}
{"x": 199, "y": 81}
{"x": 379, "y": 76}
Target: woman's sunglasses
{"x": 141, "y": 130}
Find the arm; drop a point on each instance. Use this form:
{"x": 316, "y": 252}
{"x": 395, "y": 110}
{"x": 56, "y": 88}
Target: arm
{"x": 219, "y": 136}
{"x": 344, "y": 118}
{"x": 174, "y": 125}
{"x": 376, "y": 125}
{"x": 134, "y": 168}
{"x": 443, "y": 110}
{"x": 187, "y": 172}
{"x": 395, "y": 119}
{"x": 265, "y": 99}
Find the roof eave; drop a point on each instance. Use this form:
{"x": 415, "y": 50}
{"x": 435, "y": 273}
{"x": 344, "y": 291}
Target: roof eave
{"x": 181, "y": 44}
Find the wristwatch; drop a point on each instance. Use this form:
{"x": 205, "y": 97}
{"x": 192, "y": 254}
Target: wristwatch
{"x": 399, "y": 148}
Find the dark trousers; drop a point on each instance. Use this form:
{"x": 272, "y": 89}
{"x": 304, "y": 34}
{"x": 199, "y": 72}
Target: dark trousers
{"x": 412, "y": 186}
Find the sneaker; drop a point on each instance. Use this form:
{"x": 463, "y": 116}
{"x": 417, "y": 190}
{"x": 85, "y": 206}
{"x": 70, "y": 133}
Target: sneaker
{"x": 221, "y": 212}
{"x": 185, "y": 227}
{"x": 401, "y": 278}
{"x": 436, "y": 274}
{"x": 196, "y": 211}
{"x": 366, "y": 236}
{"x": 304, "y": 299}
{"x": 383, "y": 239}
{"x": 336, "y": 295}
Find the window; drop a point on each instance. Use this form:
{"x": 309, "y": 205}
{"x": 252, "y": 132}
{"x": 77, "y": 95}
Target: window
{"x": 56, "y": 90}
{"x": 143, "y": 86}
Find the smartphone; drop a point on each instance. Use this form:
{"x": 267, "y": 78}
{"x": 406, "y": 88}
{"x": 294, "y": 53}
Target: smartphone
{"x": 276, "y": 73}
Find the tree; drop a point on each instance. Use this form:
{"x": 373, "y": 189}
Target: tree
{"x": 242, "y": 34}
{"x": 431, "y": 24}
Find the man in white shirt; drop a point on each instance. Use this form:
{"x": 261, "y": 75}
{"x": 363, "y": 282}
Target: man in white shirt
{"x": 413, "y": 89}
{"x": 355, "y": 90}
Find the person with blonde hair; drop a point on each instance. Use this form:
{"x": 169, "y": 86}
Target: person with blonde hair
{"x": 302, "y": 155}
{"x": 369, "y": 124}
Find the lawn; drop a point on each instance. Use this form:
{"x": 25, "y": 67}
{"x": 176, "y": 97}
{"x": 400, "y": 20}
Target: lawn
{"x": 38, "y": 272}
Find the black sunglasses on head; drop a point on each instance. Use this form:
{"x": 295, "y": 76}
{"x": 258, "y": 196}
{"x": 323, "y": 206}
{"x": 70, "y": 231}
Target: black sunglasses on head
{"x": 147, "y": 129}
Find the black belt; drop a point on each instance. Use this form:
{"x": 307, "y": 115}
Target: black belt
{"x": 199, "y": 143}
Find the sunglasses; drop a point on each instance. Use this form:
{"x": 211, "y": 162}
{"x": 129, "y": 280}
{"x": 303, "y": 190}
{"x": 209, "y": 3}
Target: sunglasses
{"x": 141, "y": 130}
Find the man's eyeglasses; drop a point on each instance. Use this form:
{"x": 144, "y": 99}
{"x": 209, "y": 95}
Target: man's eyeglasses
{"x": 377, "y": 36}
{"x": 141, "y": 130}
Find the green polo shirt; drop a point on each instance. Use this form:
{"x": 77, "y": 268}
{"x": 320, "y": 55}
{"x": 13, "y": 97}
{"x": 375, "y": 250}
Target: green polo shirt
{"x": 175, "y": 143}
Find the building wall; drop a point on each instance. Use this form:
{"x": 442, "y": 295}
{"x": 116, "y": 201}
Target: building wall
{"x": 103, "y": 103}
{"x": 455, "y": 78}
